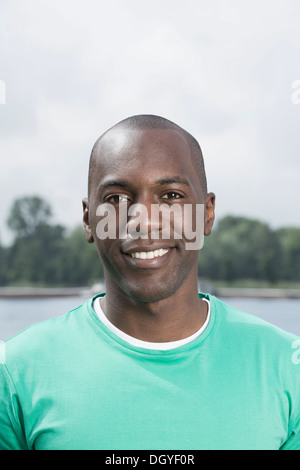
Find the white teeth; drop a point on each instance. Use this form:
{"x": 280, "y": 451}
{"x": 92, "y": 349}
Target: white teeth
{"x": 148, "y": 254}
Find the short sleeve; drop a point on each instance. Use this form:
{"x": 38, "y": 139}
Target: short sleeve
{"x": 11, "y": 429}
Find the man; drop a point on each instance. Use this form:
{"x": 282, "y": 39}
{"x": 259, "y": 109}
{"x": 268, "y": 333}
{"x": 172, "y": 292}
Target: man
{"x": 150, "y": 363}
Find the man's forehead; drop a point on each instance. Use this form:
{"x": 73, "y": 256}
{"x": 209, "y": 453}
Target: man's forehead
{"x": 126, "y": 140}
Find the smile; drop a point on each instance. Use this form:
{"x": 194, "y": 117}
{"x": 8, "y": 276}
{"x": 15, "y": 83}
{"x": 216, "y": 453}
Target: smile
{"x": 148, "y": 254}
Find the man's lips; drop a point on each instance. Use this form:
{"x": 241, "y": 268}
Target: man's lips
{"x": 147, "y": 255}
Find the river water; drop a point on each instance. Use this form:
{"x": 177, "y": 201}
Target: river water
{"x": 18, "y": 314}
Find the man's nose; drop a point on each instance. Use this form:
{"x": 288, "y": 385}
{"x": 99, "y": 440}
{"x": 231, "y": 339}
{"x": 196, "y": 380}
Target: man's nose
{"x": 142, "y": 220}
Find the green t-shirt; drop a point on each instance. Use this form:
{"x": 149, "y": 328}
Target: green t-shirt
{"x": 72, "y": 383}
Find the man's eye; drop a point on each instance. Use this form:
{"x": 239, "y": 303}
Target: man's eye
{"x": 117, "y": 199}
{"x": 172, "y": 195}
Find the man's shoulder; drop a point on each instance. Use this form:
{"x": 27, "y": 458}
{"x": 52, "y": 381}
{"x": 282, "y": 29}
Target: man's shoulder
{"x": 44, "y": 336}
{"x": 250, "y": 325}
{"x": 253, "y": 340}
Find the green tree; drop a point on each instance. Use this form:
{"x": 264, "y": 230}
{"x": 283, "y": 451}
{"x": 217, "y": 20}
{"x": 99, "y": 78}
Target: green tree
{"x": 3, "y": 265}
{"x": 33, "y": 258}
{"x": 82, "y": 264}
{"x": 289, "y": 238}
{"x": 42, "y": 253}
{"x": 240, "y": 248}
{"x": 27, "y": 214}
{"x": 37, "y": 246}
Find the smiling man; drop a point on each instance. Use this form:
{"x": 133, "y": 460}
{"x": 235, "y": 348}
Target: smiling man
{"x": 151, "y": 282}
{"x": 151, "y": 363}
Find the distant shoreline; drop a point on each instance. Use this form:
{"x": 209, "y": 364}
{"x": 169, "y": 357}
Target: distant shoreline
{"x": 48, "y": 292}
{"x": 226, "y": 292}
{"x": 257, "y": 293}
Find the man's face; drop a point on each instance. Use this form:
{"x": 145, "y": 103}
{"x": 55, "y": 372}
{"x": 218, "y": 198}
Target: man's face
{"x": 148, "y": 167}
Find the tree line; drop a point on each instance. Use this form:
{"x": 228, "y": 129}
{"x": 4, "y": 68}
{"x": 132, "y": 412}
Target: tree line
{"x": 47, "y": 254}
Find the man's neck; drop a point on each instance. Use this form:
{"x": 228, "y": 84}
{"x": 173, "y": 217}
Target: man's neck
{"x": 173, "y": 318}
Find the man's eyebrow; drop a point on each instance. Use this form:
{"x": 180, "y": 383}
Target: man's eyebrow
{"x": 110, "y": 183}
{"x": 162, "y": 181}
{"x": 171, "y": 180}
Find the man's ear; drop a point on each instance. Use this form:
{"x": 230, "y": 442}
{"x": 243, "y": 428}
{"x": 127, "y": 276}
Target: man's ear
{"x": 209, "y": 213}
{"x": 86, "y": 223}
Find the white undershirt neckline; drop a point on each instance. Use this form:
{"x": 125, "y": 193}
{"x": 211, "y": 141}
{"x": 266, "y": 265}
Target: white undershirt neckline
{"x": 147, "y": 344}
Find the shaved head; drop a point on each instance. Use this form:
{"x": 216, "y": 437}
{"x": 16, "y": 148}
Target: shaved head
{"x": 149, "y": 121}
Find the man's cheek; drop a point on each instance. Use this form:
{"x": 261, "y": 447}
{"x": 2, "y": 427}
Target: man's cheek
{"x": 194, "y": 221}
{"x": 106, "y": 226}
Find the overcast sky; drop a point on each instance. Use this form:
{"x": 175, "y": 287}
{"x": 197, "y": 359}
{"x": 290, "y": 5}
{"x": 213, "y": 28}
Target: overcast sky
{"x": 222, "y": 69}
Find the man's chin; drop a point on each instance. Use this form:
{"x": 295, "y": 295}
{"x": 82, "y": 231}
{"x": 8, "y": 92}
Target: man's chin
{"x": 146, "y": 293}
